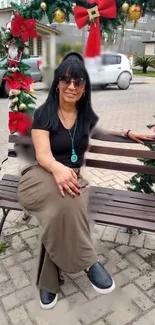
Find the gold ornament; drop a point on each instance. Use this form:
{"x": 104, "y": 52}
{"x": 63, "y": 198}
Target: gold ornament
{"x": 135, "y": 12}
{"x": 43, "y": 6}
{"x": 22, "y": 107}
{"x": 59, "y": 16}
{"x": 125, "y": 7}
{"x": 32, "y": 91}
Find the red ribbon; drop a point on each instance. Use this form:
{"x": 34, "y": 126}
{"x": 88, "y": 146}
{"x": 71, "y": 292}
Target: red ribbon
{"x": 107, "y": 9}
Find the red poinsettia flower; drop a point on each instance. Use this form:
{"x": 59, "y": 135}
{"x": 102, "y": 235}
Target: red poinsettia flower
{"x": 18, "y": 81}
{"x": 19, "y": 122}
{"x": 23, "y": 28}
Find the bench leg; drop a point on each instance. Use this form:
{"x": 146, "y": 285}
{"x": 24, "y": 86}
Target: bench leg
{"x": 5, "y": 213}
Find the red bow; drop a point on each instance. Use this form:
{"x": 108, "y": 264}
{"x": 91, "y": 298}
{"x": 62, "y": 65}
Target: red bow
{"x": 107, "y": 9}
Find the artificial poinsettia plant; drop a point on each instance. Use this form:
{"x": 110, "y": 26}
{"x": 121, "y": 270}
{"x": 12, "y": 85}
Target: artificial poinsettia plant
{"x": 100, "y": 15}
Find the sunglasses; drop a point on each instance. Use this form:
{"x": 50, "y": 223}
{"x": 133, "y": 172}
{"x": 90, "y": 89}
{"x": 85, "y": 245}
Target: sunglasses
{"x": 77, "y": 82}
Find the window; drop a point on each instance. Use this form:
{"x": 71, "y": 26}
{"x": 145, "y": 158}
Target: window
{"x": 39, "y": 46}
{"x": 143, "y": 19}
{"x": 30, "y": 46}
{"x": 136, "y": 37}
{"x": 108, "y": 59}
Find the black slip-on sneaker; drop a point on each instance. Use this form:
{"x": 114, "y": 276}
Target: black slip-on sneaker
{"x": 48, "y": 300}
{"x": 100, "y": 279}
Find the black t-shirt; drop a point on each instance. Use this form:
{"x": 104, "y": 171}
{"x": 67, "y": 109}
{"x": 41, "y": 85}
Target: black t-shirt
{"x": 60, "y": 140}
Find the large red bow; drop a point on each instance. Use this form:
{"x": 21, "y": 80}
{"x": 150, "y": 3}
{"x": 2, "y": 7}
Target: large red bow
{"x": 107, "y": 9}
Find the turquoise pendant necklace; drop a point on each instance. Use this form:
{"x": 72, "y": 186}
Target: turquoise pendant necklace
{"x": 74, "y": 156}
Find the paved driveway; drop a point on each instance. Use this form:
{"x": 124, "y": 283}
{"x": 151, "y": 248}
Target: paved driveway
{"x": 131, "y": 259}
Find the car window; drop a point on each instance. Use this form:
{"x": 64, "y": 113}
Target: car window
{"x": 108, "y": 59}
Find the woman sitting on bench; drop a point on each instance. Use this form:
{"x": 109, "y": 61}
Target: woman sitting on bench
{"x": 52, "y": 188}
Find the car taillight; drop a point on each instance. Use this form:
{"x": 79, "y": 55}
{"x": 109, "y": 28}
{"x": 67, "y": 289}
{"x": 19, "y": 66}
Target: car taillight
{"x": 39, "y": 62}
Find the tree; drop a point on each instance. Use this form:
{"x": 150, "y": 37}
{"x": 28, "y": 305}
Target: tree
{"x": 145, "y": 62}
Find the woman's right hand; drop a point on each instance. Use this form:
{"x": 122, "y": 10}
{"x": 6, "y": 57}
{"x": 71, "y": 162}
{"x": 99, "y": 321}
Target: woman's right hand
{"x": 66, "y": 179}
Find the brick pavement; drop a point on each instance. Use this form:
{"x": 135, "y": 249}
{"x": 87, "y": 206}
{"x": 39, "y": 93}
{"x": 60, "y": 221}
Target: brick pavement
{"x": 130, "y": 258}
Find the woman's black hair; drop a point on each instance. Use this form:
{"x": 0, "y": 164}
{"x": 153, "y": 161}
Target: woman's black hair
{"x": 72, "y": 64}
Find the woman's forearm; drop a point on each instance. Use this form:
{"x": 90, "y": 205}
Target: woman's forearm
{"x": 102, "y": 132}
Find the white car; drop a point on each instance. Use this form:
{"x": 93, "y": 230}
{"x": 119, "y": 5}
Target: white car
{"x": 110, "y": 68}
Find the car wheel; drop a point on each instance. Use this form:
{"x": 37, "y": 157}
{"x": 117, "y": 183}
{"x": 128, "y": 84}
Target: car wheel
{"x": 123, "y": 81}
{"x": 5, "y": 89}
{"x": 104, "y": 86}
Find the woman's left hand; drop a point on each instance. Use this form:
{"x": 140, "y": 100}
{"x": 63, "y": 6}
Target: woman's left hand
{"x": 139, "y": 137}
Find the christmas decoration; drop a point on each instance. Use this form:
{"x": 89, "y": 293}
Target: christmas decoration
{"x": 106, "y": 9}
{"x": 135, "y": 12}
{"x": 18, "y": 81}
{"x": 43, "y": 6}
{"x": 23, "y": 28}
{"x": 125, "y": 7}
{"x": 22, "y": 107}
{"x": 59, "y": 16}
{"x": 19, "y": 122}
{"x": 96, "y": 14}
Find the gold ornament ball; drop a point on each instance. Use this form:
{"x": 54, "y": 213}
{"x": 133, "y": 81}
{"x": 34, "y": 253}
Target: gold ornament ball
{"x": 59, "y": 16}
{"x": 43, "y": 6}
{"x": 32, "y": 91}
{"x": 135, "y": 12}
{"x": 125, "y": 7}
{"x": 22, "y": 107}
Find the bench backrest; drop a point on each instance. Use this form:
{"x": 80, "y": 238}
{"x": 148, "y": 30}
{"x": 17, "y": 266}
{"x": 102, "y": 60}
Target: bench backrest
{"x": 112, "y": 151}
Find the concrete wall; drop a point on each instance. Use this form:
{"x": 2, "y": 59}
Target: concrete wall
{"x": 150, "y": 49}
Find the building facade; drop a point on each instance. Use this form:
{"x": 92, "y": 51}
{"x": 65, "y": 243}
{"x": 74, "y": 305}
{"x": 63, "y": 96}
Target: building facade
{"x": 131, "y": 43}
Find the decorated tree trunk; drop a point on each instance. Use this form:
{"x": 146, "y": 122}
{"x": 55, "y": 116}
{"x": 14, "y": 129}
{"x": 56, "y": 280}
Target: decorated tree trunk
{"x": 100, "y": 15}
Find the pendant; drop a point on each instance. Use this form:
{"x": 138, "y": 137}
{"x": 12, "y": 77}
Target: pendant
{"x": 74, "y": 157}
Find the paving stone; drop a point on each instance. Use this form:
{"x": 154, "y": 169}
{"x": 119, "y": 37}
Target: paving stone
{"x": 3, "y": 319}
{"x": 125, "y": 276}
{"x": 68, "y": 288}
{"x": 122, "y": 238}
{"x": 14, "y": 230}
{"x": 149, "y": 241}
{"x": 137, "y": 240}
{"x": 19, "y": 277}
{"x": 32, "y": 242}
{"x": 144, "y": 252}
{"x": 151, "y": 294}
{"x": 109, "y": 234}
{"x": 138, "y": 261}
{"x": 117, "y": 259}
{"x": 76, "y": 299}
{"x": 91, "y": 312}
{"x": 146, "y": 281}
{"x": 138, "y": 296}
{"x": 74, "y": 276}
{"x": 19, "y": 316}
{"x": 123, "y": 249}
{"x": 148, "y": 319}
{"x": 29, "y": 265}
{"x": 6, "y": 287}
{"x": 84, "y": 284}
{"x": 101, "y": 322}
{"x": 17, "y": 298}
{"x": 17, "y": 243}
{"x": 9, "y": 261}
{"x": 123, "y": 315}
{"x": 30, "y": 233}
{"x": 22, "y": 256}
{"x": 3, "y": 277}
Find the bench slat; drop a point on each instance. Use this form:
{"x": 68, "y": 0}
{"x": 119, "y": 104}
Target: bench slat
{"x": 8, "y": 188}
{"x": 113, "y": 151}
{"x": 4, "y": 195}
{"x": 121, "y": 221}
{"x": 7, "y": 177}
{"x": 9, "y": 184}
{"x": 131, "y": 194}
{"x": 132, "y": 168}
{"x": 122, "y": 205}
{"x": 10, "y": 205}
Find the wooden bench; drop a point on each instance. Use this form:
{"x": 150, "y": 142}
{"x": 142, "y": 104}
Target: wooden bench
{"x": 106, "y": 205}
